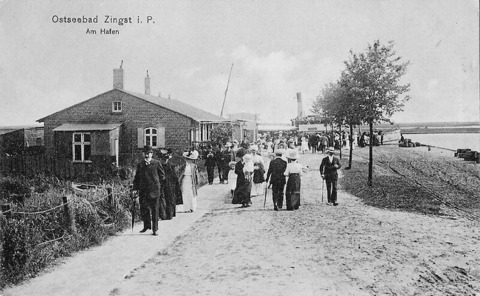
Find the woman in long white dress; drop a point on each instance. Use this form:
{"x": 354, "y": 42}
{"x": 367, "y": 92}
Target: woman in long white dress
{"x": 189, "y": 182}
{"x": 304, "y": 146}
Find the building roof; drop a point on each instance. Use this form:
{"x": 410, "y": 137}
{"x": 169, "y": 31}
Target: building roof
{"x": 9, "y": 129}
{"x": 72, "y": 127}
{"x": 179, "y": 107}
{"x": 173, "y": 105}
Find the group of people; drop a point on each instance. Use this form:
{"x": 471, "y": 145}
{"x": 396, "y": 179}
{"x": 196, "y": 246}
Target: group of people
{"x": 319, "y": 142}
{"x": 283, "y": 175}
{"x": 376, "y": 138}
{"x": 162, "y": 189}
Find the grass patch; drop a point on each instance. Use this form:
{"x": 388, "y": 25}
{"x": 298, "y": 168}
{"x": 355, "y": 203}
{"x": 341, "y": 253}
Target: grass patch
{"x": 388, "y": 191}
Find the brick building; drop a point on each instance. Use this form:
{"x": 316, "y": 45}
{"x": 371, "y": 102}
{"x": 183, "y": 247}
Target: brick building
{"x": 114, "y": 126}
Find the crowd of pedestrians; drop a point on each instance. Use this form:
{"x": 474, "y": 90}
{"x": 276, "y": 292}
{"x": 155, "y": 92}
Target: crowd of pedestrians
{"x": 248, "y": 168}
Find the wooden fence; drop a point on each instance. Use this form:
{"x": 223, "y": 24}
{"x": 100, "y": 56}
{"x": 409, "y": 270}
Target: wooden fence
{"x": 49, "y": 164}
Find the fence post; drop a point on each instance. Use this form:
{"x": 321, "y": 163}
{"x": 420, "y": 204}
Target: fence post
{"x": 69, "y": 216}
{"x": 6, "y": 210}
{"x": 111, "y": 197}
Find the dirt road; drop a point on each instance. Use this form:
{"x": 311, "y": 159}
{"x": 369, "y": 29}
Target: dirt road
{"x": 351, "y": 249}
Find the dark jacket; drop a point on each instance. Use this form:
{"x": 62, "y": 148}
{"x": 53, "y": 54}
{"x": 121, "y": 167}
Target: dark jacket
{"x": 149, "y": 179}
{"x": 172, "y": 187}
{"x": 276, "y": 169}
{"x": 210, "y": 161}
{"x": 327, "y": 168}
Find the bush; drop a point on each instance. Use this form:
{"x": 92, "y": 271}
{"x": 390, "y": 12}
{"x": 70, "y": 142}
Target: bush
{"x": 30, "y": 242}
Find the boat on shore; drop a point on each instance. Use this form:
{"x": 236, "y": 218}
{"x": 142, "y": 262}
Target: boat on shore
{"x": 84, "y": 189}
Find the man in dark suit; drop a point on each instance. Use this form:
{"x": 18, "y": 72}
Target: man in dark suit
{"x": 149, "y": 179}
{"x": 275, "y": 170}
{"x": 328, "y": 170}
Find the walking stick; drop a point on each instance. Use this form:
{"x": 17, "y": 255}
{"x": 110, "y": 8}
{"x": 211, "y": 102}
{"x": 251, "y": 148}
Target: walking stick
{"x": 132, "y": 195}
{"x": 265, "y": 200}
{"x": 323, "y": 183}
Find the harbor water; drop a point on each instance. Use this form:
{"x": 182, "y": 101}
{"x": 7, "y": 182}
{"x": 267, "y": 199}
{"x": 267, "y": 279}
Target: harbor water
{"x": 449, "y": 141}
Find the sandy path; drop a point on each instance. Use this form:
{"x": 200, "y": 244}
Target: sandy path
{"x": 352, "y": 249}
{"x": 97, "y": 270}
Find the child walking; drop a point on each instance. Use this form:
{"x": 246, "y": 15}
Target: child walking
{"x": 232, "y": 177}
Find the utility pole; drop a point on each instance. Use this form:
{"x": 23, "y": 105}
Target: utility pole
{"x": 226, "y": 90}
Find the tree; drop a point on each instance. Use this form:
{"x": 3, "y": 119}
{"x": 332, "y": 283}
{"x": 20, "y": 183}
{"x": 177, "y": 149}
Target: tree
{"x": 374, "y": 80}
{"x": 222, "y": 133}
{"x": 332, "y": 104}
{"x": 352, "y": 112}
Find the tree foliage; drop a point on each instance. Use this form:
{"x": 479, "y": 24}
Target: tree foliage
{"x": 368, "y": 91}
{"x": 222, "y": 133}
{"x": 373, "y": 78}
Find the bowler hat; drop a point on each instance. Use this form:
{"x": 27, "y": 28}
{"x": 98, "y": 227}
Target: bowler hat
{"x": 147, "y": 149}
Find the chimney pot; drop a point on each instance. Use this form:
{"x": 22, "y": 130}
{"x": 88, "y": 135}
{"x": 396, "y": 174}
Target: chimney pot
{"x": 118, "y": 77}
{"x": 147, "y": 84}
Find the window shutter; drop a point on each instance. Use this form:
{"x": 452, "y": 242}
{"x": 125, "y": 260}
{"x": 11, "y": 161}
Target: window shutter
{"x": 161, "y": 136}
{"x": 111, "y": 142}
{"x": 140, "y": 138}
{"x": 94, "y": 141}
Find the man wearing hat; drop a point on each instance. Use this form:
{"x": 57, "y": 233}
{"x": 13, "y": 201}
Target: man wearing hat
{"x": 276, "y": 170}
{"x": 149, "y": 179}
{"x": 328, "y": 171}
{"x": 210, "y": 163}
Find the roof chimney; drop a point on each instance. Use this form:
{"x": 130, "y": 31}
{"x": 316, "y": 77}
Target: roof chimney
{"x": 147, "y": 84}
{"x": 299, "y": 106}
{"x": 118, "y": 77}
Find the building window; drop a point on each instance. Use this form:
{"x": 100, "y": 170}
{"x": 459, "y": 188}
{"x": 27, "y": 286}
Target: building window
{"x": 81, "y": 147}
{"x": 117, "y": 107}
{"x": 151, "y": 137}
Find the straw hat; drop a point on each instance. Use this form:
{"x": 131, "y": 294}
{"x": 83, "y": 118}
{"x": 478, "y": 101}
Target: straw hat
{"x": 191, "y": 155}
{"x": 232, "y": 163}
{"x": 247, "y": 158}
{"x": 292, "y": 154}
{"x": 279, "y": 152}
{"x": 330, "y": 150}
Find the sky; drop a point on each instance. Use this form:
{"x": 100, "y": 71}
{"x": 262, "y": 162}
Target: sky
{"x": 277, "y": 48}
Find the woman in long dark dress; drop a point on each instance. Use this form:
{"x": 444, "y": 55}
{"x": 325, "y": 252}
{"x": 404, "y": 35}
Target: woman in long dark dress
{"x": 293, "y": 173}
{"x": 244, "y": 182}
{"x": 171, "y": 190}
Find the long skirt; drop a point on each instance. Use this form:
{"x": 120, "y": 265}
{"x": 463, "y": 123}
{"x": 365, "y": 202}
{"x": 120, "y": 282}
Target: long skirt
{"x": 242, "y": 193}
{"x": 189, "y": 199}
{"x": 292, "y": 192}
